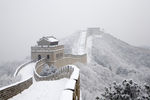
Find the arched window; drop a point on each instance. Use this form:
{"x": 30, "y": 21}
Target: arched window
{"x": 39, "y": 57}
{"x": 47, "y": 56}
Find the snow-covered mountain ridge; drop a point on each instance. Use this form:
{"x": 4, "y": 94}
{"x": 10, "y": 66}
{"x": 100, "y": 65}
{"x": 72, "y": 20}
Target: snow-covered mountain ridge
{"x": 110, "y": 60}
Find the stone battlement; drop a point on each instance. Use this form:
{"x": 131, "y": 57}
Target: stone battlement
{"x": 36, "y": 48}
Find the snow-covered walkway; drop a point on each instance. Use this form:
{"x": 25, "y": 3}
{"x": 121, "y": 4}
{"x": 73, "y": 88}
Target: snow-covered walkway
{"x": 89, "y": 48}
{"x": 79, "y": 47}
{"x": 43, "y": 90}
{"x": 27, "y": 71}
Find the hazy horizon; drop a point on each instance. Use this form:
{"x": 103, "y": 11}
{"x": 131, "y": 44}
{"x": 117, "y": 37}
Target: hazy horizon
{"x": 23, "y": 22}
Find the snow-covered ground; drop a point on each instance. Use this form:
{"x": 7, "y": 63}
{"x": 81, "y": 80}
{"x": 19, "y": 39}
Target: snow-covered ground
{"x": 43, "y": 90}
{"x": 27, "y": 71}
{"x": 79, "y": 47}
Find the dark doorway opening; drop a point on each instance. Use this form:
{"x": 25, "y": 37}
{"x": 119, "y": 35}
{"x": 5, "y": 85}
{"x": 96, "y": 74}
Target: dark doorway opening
{"x": 39, "y": 57}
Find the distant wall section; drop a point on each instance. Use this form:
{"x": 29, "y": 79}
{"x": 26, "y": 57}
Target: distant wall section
{"x": 94, "y": 31}
{"x": 70, "y": 59}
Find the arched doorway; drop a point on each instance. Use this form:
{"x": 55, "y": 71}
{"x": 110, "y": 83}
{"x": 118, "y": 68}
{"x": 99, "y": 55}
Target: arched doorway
{"x": 39, "y": 57}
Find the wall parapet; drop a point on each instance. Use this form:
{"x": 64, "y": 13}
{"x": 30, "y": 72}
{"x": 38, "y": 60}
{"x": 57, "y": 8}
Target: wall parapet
{"x": 71, "y": 59}
{"x": 46, "y": 49}
{"x": 63, "y": 72}
{"x": 9, "y": 91}
{"x": 21, "y": 66}
{"x": 14, "y": 89}
{"x": 72, "y": 88}
{"x": 74, "y": 56}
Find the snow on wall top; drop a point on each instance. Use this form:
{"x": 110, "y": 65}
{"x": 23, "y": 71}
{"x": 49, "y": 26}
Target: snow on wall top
{"x": 75, "y": 74}
{"x": 52, "y": 39}
{"x": 67, "y": 94}
{"x": 70, "y": 84}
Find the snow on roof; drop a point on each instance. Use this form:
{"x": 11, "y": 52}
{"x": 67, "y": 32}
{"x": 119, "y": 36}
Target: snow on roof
{"x": 49, "y": 39}
{"x": 66, "y": 95}
{"x": 52, "y": 39}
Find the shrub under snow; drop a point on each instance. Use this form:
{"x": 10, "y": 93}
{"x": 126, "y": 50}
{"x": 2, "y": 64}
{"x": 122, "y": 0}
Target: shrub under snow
{"x": 7, "y": 71}
{"x": 47, "y": 70}
{"x": 127, "y": 90}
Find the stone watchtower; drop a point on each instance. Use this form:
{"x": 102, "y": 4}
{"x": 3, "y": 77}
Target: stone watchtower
{"x": 48, "y": 48}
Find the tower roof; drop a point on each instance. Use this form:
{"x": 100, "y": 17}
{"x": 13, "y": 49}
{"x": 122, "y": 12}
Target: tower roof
{"x": 48, "y": 40}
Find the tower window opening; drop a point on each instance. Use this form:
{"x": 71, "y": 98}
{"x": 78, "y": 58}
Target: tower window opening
{"x": 47, "y": 56}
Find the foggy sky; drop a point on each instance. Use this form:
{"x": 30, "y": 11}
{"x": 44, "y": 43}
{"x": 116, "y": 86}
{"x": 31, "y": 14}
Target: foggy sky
{"x": 23, "y": 22}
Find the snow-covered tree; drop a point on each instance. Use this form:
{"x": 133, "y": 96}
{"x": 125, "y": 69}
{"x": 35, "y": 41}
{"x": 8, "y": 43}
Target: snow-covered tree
{"x": 47, "y": 70}
{"x": 127, "y": 90}
{"x": 7, "y": 71}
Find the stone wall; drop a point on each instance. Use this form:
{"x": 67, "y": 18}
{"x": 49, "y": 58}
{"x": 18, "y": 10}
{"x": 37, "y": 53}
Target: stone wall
{"x": 21, "y": 66}
{"x": 56, "y": 56}
{"x": 71, "y": 59}
{"x": 14, "y": 89}
{"x": 94, "y": 31}
{"x": 44, "y": 51}
{"x": 72, "y": 91}
{"x": 63, "y": 72}
{"x": 39, "y": 65}
{"x": 77, "y": 89}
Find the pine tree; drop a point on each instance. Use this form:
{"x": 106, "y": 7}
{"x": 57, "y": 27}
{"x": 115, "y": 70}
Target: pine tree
{"x": 127, "y": 90}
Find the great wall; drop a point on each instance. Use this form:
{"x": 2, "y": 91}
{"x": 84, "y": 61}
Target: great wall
{"x": 52, "y": 54}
